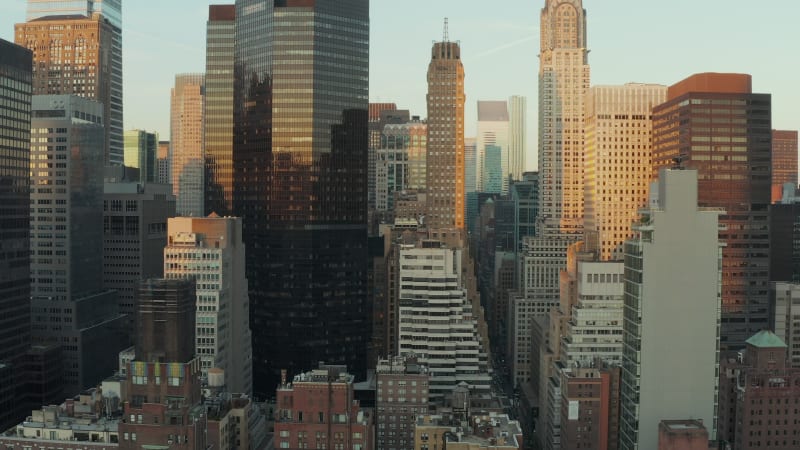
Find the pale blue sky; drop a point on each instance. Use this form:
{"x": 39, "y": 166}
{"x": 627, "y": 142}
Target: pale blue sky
{"x": 630, "y": 40}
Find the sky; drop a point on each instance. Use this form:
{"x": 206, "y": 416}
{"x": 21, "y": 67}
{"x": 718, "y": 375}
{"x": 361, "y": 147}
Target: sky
{"x": 647, "y": 41}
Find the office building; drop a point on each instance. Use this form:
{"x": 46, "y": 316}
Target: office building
{"x": 525, "y": 195}
{"x": 445, "y": 136}
{"x": 162, "y": 403}
{"x": 134, "y": 236}
{"x": 301, "y": 186}
{"x": 785, "y": 318}
{"x": 784, "y": 161}
{"x": 682, "y": 435}
{"x": 210, "y": 250}
{"x": 69, "y": 306}
{"x": 318, "y": 410}
{"x": 78, "y": 47}
{"x": 186, "y": 143}
{"x": 400, "y": 162}
{"x": 470, "y": 183}
{"x": 708, "y": 118}
{"x": 438, "y": 321}
{"x": 617, "y": 162}
{"x": 218, "y": 123}
{"x": 140, "y": 149}
{"x": 15, "y": 142}
{"x": 758, "y": 397}
{"x": 162, "y": 163}
{"x": 656, "y": 299}
{"x": 492, "y": 157}
{"x": 402, "y": 395}
{"x": 517, "y": 135}
{"x": 380, "y": 114}
{"x": 563, "y": 83}
{"x": 784, "y": 239}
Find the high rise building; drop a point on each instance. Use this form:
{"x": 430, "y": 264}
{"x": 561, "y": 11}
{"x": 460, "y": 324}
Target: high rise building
{"x": 717, "y": 125}
{"x": 590, "y": 407}
{"x": 15, "y": 319}
{"x": 492, "y": 157}
{"x": 446, "y": 99}
{"x": 162, "y": 400}
{"x": 617, "y": 164}
{"x": 79, "y": 51}
{"x": 162, "y": 163}
{"x": 211, "y": 251}
{"x": 517, "y": 135}
{"x": 140, "y": 152}
{"x": 438, "y": 322}
{"x": 379, "y": 115}
{"x": 69, "y": 306}
{"x": 134, "y": 235}
{"x": 400, "y": 162}
{"x": 758, "y": 397}
{"x": 784, "y": 161}
{"x": 186, "y": 143}
{"x": 470, "y": 183}
{"x": 218, "y": 124}
{"x": 402, "y": 395}
{"x": 563, "y": 83}
{"x": 300, "y": 171}
{"x": 525, "y": 195}
{"x": 656, "y": 299}
{"x": 785, "y": 298}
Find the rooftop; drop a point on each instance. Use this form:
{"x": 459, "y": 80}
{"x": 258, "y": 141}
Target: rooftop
{"x": 766, "y": 339}
{"x": 484, "y": 430}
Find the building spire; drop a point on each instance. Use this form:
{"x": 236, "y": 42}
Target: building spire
{"x": 446, "y": 32}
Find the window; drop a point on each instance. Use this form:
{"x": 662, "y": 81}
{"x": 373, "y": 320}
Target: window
{"x": 284, "y": 444}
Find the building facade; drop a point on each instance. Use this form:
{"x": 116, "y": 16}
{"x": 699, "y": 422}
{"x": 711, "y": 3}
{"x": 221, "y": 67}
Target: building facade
{"x": 218, "y": 123}
{"x": 445, "y": 161}
{"x": 492, "y": 166}
{"x": 300, "y": 171}
{"x": 657, "y": 299}
{"x": 69, "y": 306}
{"x": 590, "y": 408}
{"x": 617, "y": 164}
{"x": 400, "y": 162}
{"x": 709, "y": 118}
{"x": 134, "y": 235}
{"x": 785, "y": 298}
{"x": 211, "y": 251}
{"x": 186, "y": 143}
{"x": 784, "y": 161}
{"x": 402, "y": 395}
{"x": 15, "y": 318}
{"x": 78, "y": 51}
{"x": 517, "y": 135}
{"x": 682, "y": 435}
{"x": 140, "y": 148}
{"x": 317, "y": 410}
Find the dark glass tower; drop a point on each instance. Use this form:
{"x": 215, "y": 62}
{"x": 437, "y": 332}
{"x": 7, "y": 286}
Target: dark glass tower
{"x": 300, "y": 180}
{"x": 15, "y": 287}
{"x": 218, "y": 131}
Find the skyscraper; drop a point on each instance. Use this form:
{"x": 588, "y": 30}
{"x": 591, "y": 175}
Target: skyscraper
{"x": 96, "y": 66}
{"x": 300, "y": 171}
{"x": 717, "y": 125}
{"x": 162, "y": 163}
{"x": 563, "y": 83}
{"x": 784, "y": 161}
{"x": 446, "y": 99}
{"x": 140, "y": 152}
{"x": 69, "y": 306}
{"x": 218, "y": 125}
{"x": 491, "y": 161}
{"x": 517, "y": 135}
{"x": 186, "y": 143}
{"x": 210, "y": 250}
{"x": 667, "y": 373}
{"x": 15, "y": 318}
{"x": 617, "y": 162}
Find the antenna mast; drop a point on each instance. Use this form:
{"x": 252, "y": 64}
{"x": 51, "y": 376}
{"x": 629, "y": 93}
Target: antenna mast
{"x": 446, "y": 32}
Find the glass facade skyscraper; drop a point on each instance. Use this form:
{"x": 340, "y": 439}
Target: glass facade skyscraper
{"x": 218, "y": 111}
{"x": 15, "y": 115}
{"x": 300, "y": 180}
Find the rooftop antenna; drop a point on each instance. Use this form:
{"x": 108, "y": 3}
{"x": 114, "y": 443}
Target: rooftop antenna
{"x": 446, "y": 32}
{"x": 679, "y": 160}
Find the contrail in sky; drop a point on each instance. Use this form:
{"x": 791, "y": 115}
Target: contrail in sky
{"x": 500, "y": 48}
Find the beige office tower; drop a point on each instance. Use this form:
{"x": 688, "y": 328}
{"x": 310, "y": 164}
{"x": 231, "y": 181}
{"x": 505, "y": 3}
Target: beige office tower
{"x": 563, "y": 83}
{"x": 210, "y": 250}
{"x": 445, "y": 161}
{"x": 517, "y": 135}
{"x": 617, "y": 162}
{"x": 186, "y": 143}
